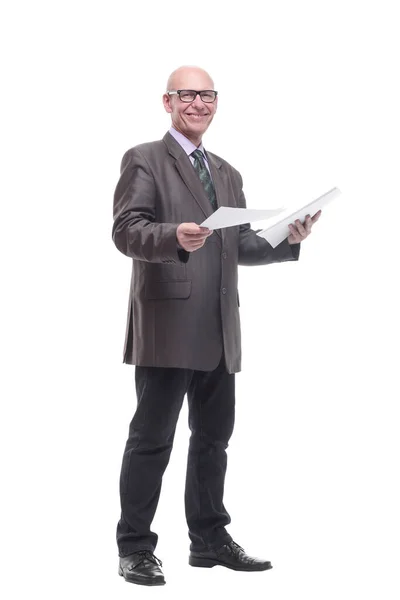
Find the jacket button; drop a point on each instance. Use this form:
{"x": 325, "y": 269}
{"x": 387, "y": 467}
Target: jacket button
{"x": 224, "y": 290}
{"x": 224, "y": 255}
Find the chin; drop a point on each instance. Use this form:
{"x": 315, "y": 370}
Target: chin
{"x": 198, "y": 132}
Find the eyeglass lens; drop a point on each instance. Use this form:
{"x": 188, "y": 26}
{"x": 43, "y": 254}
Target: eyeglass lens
{"x": 190, "y": 95}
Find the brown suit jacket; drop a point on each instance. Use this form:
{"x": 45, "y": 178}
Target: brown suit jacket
{"x": 183, "y": 307}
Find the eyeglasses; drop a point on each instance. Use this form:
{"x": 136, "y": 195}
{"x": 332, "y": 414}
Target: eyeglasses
{"x": 190, "y": 95}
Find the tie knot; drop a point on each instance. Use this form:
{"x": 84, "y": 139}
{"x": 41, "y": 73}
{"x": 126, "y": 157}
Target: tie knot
{"x": 197, "y": 153}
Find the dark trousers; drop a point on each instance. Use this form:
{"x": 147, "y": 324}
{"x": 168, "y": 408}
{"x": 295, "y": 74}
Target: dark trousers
{"x": 160, "y": 394}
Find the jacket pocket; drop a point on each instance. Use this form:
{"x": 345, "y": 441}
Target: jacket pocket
{"x": 158, "y": 290}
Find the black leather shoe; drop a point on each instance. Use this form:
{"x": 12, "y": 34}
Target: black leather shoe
{"x": 230, "y": 555}
{"x": 141, "y": 567}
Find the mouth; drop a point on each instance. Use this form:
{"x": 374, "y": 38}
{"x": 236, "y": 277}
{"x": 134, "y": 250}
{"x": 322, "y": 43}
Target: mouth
{"x": 196, "y": 116}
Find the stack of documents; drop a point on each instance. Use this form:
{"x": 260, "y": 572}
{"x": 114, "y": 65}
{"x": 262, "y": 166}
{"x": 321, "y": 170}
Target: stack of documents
{"x": 276, "y": 233}
{"x": 226, "y": 216}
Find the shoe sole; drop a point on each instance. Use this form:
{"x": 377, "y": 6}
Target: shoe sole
{"x": 208, "y": 563}
{"x": 140, "y": 580}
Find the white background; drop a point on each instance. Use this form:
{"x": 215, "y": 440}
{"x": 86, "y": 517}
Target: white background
{"x": 308, "y": 101}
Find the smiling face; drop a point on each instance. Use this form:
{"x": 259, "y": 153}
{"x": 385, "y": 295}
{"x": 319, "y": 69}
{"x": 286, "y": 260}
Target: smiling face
{"x": 190, "y": 118}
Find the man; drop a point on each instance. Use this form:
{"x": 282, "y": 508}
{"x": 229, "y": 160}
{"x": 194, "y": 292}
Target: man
{"x": 183, "y": 329}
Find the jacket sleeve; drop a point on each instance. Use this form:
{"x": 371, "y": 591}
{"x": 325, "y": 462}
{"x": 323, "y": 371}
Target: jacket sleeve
{"x": 255, "y": 250}
{"x": 135, "y": 232}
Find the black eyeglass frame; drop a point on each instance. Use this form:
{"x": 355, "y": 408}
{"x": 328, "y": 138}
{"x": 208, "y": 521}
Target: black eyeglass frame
{"x": 197, "y": 92}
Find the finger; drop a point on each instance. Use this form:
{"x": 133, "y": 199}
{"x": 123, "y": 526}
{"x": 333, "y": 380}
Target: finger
{"x": 308, "y": 224}
{"x": 195, "y": 230}
{"x": 317, "y": 215}
{"x": 196, "y": 236}
{"x": 196, "y": 243}
{"x": 295, "y": 234}
{"x": 300, "y": 228}
{"x": 195, "y": 247}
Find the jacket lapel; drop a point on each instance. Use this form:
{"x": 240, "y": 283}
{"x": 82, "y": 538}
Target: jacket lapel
{"x": 191, "y": 179}
{"x": 188, "y": 174}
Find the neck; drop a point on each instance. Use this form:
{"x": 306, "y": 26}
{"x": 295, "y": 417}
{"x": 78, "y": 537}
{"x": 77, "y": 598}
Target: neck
{"x": 196, "y": 140}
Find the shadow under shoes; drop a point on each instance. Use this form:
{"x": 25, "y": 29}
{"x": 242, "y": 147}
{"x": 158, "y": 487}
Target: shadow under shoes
{"x": 141, "y": 567}
{"x": 229, "y": 555}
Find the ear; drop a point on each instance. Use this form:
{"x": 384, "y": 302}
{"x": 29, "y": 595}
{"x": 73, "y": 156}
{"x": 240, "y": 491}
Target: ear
{"x": 167, "y": 103}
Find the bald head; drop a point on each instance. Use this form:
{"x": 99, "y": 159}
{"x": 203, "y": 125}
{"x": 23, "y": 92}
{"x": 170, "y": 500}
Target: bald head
{"x": 189, "y": 77}
{"x": 191, "y": 118}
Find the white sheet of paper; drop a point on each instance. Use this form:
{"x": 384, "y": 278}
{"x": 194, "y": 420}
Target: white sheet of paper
{"x": 276, "y": 233}
{"x": 227, "y": 216}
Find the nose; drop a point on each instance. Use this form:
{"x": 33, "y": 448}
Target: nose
{"x": 198, "y": 102}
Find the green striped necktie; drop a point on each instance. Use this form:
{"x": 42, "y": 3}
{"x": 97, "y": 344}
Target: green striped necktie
{"x": 205, "y": 177}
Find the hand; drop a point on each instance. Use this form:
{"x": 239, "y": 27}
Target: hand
{"x": 299, "y": 231}
{"x": 191, "y": 236}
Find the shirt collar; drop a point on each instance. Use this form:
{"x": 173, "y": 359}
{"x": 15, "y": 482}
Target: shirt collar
{"x": 186, "y": 144}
